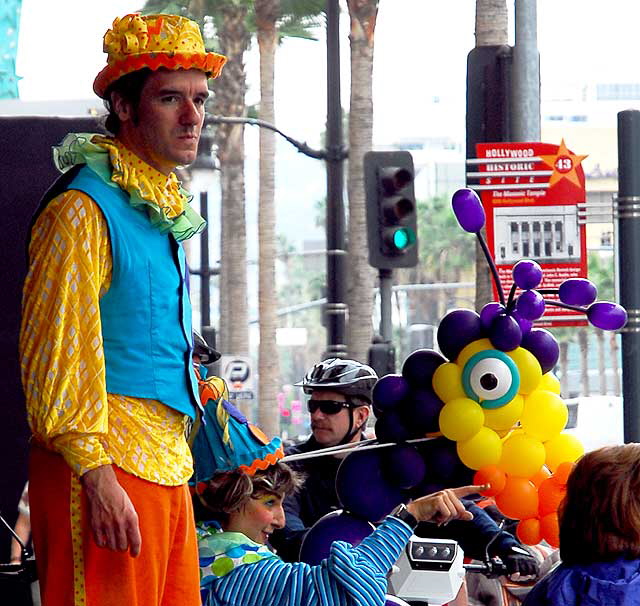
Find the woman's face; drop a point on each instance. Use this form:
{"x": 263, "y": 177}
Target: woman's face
{"x": 258, "y": 518}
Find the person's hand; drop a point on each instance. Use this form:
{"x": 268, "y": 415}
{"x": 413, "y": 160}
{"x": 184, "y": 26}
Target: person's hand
{"x": 443, "y": 506}
{"x": 112, "y": 516}
{"x": 521, "y": 565}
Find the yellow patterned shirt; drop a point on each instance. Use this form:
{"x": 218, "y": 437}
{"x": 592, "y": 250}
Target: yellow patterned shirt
{"x": 62, "y": 359}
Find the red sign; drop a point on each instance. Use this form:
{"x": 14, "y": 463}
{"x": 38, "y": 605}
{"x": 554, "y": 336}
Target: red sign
{"x": 530, "y": 193}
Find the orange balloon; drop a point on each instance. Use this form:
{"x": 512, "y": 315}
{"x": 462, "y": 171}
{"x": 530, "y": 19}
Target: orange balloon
{"x": 490, "y": 474}
{"x": 550, "y": 495}
{"x": 528, "y": 531}
{"x": 540, "y": 476}
{"x": 550, "y": 530}
{"x": 561, "y": 474}
{"x": 519, "y": 499}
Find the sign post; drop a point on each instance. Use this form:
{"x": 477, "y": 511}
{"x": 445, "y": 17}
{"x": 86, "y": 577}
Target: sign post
{"x": 531, "y": 194}
{"x": 237, "y": 371}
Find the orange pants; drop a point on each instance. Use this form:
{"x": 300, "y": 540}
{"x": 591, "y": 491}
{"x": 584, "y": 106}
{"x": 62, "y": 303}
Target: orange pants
{"x": 73, "y": 570}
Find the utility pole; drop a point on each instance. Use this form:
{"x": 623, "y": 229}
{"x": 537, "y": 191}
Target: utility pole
{"x": 628, "y": 217}
{"x": 525, "y": 94}
{"x": 336, "y": 308}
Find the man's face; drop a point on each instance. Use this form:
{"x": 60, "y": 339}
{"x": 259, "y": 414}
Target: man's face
{"x": 165, "y": 129}
{"x": 330, "y": 429}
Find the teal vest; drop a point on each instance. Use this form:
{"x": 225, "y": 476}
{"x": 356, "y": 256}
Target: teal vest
{"x": 146, "y": 313}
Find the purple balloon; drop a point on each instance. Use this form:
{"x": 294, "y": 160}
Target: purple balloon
{"x": 530, "y": 305}
{"x": 527, "y": 274}
{"x": 607, "y": 315}
{"x": 362, "y": 488}
{"x": 457, "y": 329}
{"x": 468, "y": 210}
{"x": 429, "y": 486}
{"x": 577, "y": 291}
{"x": 403, "y": 466}
{"x": 389, "y": 391}
{"x": 441, "y": 458}
{"x": 420, "y": 412}
{"x": 489, "y": 312}
{"x": 335, "y": 526}
{"x": 393, "y": 600}
{"x": 525, "y": 325}
{"x": 390, "y": 427}
{"x": 505, "y": 333}
{"x": 420, "y": 365}
{"x": 543, "y": 345}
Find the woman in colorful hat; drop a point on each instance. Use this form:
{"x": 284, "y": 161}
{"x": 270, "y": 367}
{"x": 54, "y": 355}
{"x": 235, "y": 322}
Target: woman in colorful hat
{"x": 241, "y": 483}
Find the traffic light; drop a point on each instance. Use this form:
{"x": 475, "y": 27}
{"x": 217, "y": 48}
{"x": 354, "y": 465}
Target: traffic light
{"x": 391, "y": 209}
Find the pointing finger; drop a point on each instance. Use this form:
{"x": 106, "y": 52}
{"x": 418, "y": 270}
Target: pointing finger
{"x": 463, "y": 491}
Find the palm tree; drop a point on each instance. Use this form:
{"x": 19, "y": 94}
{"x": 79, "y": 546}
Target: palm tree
{"x": 272, "y": 18}
{"x": 229, "y": 100}
{"x": 267, "y": 13}
{"x": 361, "y": 276}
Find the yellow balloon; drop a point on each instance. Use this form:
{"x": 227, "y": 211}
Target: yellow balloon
{"x": 564, "y": 447}
{"x": 550, "y": 382}
{"x": 504, "y": 417}
{"x": 470, "y": 350}
{"x": 522, "y": 455}
{"x": 460, "y": 419}
{"x": 528, "y": 367}
{"x": 485, "y": 448}
{"x": 447, "y": 382}
{"x": 544, "y": 415}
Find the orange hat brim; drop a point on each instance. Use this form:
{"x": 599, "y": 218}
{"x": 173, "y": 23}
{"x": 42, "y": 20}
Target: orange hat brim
{"x": 210, "y": 63}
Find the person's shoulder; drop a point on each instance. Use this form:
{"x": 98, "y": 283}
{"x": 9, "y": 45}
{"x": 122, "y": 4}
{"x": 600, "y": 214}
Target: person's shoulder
{"x": 307, "y": 445}
{"x": 73, "y": 207}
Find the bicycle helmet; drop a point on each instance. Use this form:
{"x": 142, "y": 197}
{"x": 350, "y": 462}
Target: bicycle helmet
{"x": 204, "y": 350}
{"x": 348, "y": 377}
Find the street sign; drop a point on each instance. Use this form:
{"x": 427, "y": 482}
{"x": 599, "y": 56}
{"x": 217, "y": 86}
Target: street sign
{"x": 531, "y": 194}
{"x": 238, "y": 373}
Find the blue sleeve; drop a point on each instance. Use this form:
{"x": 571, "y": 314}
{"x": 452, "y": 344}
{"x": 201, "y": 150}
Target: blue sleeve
{"x": 538, "y": 595}
{"x": 350, "y": 576}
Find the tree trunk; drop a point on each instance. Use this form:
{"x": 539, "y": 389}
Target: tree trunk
{"x": 360, "y": 276}
{"x": 491, "y": 30}
{"x": 491, "y": 23}
{"x": 230, "y": 90}
{"x": 584, "y": 361}
{"x": 268, "y": 418}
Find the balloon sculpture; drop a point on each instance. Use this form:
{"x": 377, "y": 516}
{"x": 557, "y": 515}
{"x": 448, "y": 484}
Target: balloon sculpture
{"x": 490, "y": 403}
{"x": 493, "y": 392}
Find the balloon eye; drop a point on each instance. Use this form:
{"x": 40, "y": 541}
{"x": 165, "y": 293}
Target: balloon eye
{"x": 491, "y": 378}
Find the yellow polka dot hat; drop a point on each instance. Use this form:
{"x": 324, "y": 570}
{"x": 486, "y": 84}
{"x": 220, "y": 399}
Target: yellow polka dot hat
{"x": 154, "y": 41}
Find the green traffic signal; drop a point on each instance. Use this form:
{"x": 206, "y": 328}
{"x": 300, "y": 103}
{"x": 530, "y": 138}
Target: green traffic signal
{"x": 402, "y": 238}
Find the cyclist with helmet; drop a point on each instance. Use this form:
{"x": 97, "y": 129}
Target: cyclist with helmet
{"x": 339, "y": 405}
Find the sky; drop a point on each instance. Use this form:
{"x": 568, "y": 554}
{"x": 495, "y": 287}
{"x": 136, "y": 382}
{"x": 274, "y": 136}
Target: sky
{"x": 420, "y": 55}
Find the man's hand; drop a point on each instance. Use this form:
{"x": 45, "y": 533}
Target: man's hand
{"x": 521, "y": 565}
{"x": 443, "y": 506}
{"x": 113, "y": 519}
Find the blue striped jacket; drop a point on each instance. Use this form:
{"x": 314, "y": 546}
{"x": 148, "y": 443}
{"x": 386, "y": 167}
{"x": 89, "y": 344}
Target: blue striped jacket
{"x": 350, "y": 576}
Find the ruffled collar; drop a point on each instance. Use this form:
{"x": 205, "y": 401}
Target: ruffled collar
{"x": 220, "y": 552}
{"x": 166, "y": 203}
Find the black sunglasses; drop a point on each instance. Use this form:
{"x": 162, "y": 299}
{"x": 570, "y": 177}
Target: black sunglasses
{"x": 327, "y": 407}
